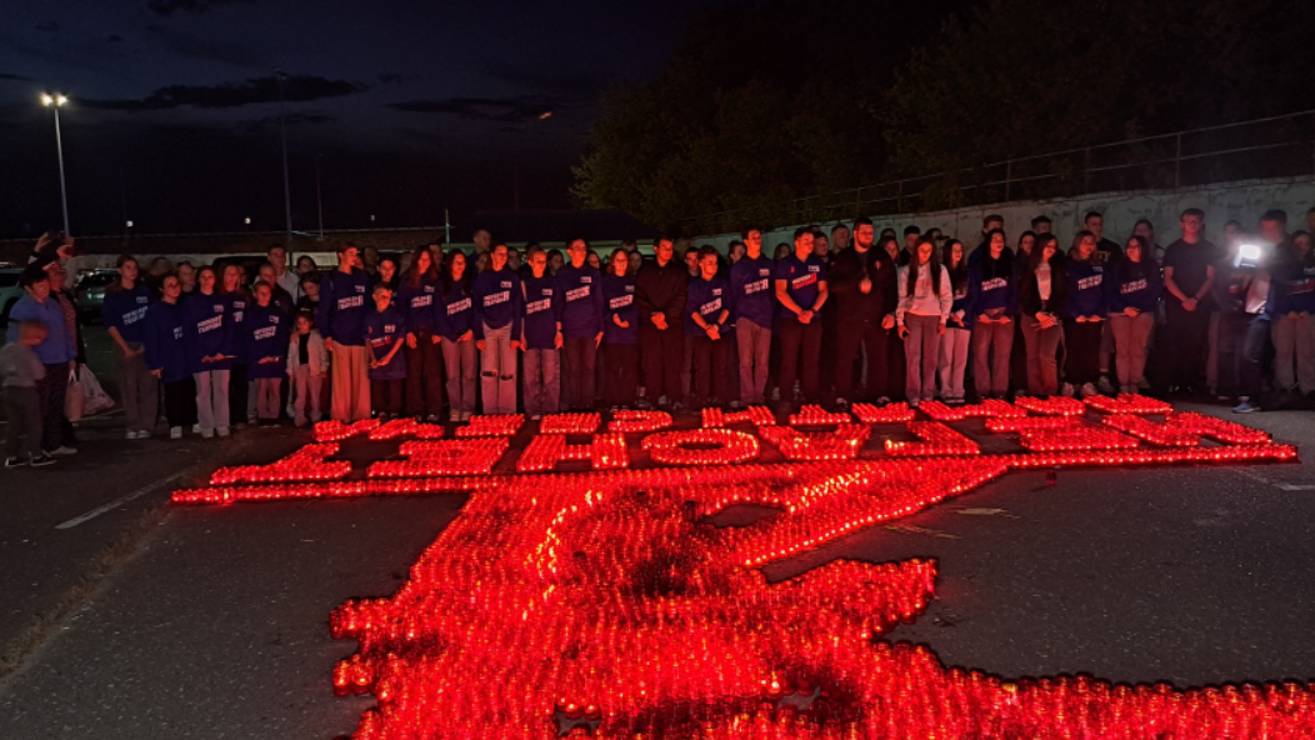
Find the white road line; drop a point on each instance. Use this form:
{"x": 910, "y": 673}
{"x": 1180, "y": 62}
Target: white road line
{"x": 120, "y": 501}
{"x": 1280, "y": 485}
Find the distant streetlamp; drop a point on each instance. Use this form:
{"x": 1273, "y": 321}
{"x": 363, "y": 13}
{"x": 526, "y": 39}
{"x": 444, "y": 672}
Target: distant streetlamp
{"x": 247, "y": 220}
{"x": 128, "y": 224}
{"x": 55, "y": 101}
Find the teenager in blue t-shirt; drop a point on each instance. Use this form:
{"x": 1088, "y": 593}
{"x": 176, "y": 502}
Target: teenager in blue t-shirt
{"x": 753, "y": 307}
{"x": 124, "y": 315}
{"x": 1084, "y": 315}
{"x": 582, "y": 325}
{"x": 801, "y": 290}
{"x": 707, "y": 313}
{"x": 541, "y": 336}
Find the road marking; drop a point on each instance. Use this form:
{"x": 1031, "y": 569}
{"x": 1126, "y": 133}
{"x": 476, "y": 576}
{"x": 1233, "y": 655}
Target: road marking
{"x": 1280, "y": 485}
{"x": 120, "y": 501}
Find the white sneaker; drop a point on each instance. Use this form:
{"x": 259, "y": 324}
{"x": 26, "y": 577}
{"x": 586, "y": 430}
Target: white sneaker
{"x": 62, "y": 451}
{"x": 207, "y": 433}
{"x": 223, "y": 431}
{"x": 175, "y": 432}
{"x": 143, "y": 434}
{"x": 1067, "y": 390}
{"x": 1089, "y": 389}
{"x": 196, "y": 429}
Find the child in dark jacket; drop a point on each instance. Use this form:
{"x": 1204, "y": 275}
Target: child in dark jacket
{"x": 265, "y": 331}
{"x": 166, "y": 357}
{"x": 385, "y": 332}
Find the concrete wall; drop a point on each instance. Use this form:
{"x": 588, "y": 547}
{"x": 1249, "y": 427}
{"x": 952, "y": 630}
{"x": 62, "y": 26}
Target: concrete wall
{"x": 1243, "y": 201}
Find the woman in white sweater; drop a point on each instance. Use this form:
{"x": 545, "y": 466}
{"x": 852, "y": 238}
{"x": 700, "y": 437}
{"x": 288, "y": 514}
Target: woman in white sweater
{"x": 924, "y": 304}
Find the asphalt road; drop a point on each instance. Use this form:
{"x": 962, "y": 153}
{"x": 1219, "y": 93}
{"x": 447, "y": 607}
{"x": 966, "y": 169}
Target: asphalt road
{"x": 155, "y": 621}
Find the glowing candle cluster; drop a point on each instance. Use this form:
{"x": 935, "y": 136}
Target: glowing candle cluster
{"x": 492, "y": 425}
{"x": 935, "y": 439}
{"x": 570, "y": 423}
{"x": 891, "y": 413}
{"x": 1128, "y": 403}
{"x": 405, "y": 427}
{"x": 701, "y": 447}
{"x": 425, "y": 458}
{"x": 306, "y": 464}
{"x": 545, "y": 451}
{"x": 333, "y": 430}
{"x": 605, "y": 603}
{"x": 1051, "y": 405}
{"x": 1084, "y": 438}
{"x": 631, "y": 421}
{"x": 841, "y": 444}
{"x": 1163, "y": 434}
{"x": 812, "y": 415}
{"x": 759, "y": 416}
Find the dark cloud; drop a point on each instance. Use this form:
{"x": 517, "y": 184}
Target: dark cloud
{"x": 543, "y": 83}
{"x": 298, "y": 88}
{"x": 14, "y": 77}
{"x": 293, "y": 119}
{"x": 239, "y": 51}
{"x": 167, "y": 8}
{"x": 114, "y": 38}
{"x": 47, "y": 26}
{"x": 505, "y": 110}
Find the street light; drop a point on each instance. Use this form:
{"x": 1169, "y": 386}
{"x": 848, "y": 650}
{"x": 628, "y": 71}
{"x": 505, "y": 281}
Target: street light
{"x": 55, "y": 101}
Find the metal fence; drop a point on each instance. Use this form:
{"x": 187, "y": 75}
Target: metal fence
{"x": 1277, "y": 146}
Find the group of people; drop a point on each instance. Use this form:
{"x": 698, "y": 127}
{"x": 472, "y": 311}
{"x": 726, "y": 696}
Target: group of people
{"x": 834, "y": 317}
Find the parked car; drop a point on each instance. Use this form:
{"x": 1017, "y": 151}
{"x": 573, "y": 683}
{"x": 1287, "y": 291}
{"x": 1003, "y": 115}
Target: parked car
{"x": 10, "y": 290}
{"x": 90, "y": 291}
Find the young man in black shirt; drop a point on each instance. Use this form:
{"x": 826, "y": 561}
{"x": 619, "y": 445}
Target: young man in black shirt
{"x": 1189, "y": 273}
{"x": 660, "y": 290}
{"x": 862, "y": 281}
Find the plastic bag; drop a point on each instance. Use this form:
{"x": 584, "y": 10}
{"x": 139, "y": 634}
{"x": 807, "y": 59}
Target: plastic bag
{"x": 73, "y": 398}
{"x": 95, "y": 399}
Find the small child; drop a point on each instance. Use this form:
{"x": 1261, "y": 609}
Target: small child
{"x": 385, "y": 332}
{"x": 21, "y": 369}
{"x": 308, "y": 364}
{"x": 266, "y": 332}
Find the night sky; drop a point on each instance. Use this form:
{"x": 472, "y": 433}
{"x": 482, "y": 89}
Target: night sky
{"x": 408, "y": 107}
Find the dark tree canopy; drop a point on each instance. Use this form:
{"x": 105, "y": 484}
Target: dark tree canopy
{"x": 761, "y": 104}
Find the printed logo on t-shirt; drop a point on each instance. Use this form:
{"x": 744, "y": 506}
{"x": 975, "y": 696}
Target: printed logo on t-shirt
{"x": 419, "y": 301}
{"x": 142, "y": 300}
{"x": 351, "y": 301}
{"x": 359, "y": 288}
{"x": 178, "y": 333}
{"x": 210, "y": 324}
{"x": 135, "y": 315}
{"x": 1087, "y": 283}
{"x": 814, "y": 268}
{"x": 804, "y": 281}
{"x": 542, "y": 304}
{"x": 960, "y": 294}
{"x": 1133, "y": 286}
{"x": 504, "y": 284}
{"x": 711, "y": 306}
{"x": 994, "y": 284}
{"x": 716, "y": 291}
{"x": 219, "y": 308}
{"x": 764, "y": 272}
{"x": 493, "y": 299}
{"x": 756, "y": 286}
{"x": 546, "y": 291}
{"x": 458, "y": 306}
{"x": 620, "y": 301}
{"x": 586, "y": 279}
{"x": 264, "y": 332}
{"x": 575, "y": 294}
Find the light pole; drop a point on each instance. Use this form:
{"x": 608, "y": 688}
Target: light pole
{"x": 283, "y": 134}
{"x": 55, "y": 101}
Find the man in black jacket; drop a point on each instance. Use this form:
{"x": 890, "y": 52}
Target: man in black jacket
{"x": 660, "y": 295}
{"x": 863, "y": 282}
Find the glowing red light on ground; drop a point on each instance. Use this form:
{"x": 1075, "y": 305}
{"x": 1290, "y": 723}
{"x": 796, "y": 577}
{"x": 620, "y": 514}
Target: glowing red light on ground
{"x": 607, "y": 603}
